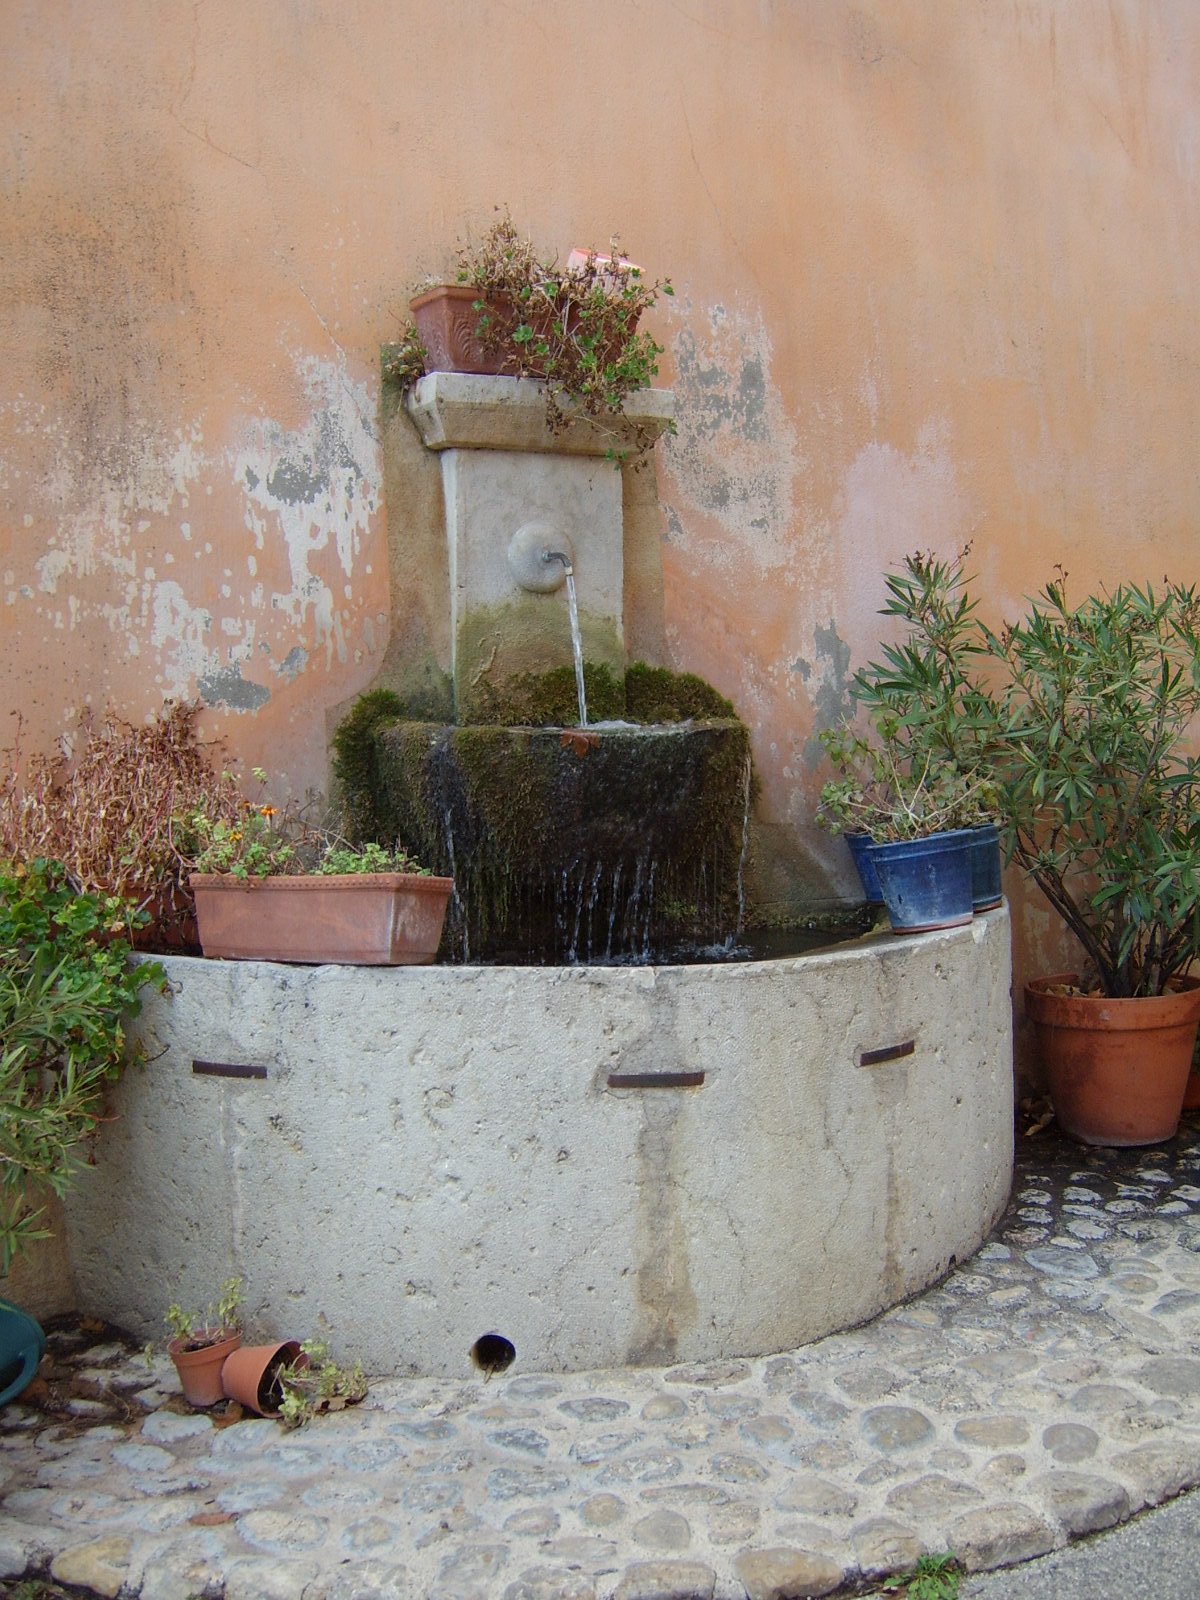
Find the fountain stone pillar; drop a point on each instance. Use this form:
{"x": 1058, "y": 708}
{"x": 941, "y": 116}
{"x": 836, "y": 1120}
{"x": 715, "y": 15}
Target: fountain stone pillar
{"x": 509, "y": 482}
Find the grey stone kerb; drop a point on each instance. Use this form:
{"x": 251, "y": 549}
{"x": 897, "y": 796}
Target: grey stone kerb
{"x": 410, "y": 1158}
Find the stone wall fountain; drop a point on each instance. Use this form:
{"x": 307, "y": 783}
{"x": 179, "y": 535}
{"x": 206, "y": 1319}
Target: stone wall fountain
{"x": 570, "y": 835}
{"x": 596, "y": 1164}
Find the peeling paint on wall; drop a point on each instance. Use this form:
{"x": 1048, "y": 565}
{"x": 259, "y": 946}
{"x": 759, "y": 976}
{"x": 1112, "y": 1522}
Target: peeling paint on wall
{"x": 178, "y": 631}
{"x": 228, "y": 688}
{"x": 314, "y": 486}
{"x": 828, "y": 682}
{"x": 141, "y": 545}
{"x": 736, "y": 455}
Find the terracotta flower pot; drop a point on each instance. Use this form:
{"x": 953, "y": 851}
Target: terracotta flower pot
{"x": 248, "y": 1375}
{"x": 1116, "y": 1069}
{"x": 448, "y": 327}
{"x": 361, "y": 919}
{"x": 200, "y": 1370}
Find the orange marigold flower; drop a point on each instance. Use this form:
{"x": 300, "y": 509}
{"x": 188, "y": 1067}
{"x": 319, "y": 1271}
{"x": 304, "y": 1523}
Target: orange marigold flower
{"x": 266, "y": 811}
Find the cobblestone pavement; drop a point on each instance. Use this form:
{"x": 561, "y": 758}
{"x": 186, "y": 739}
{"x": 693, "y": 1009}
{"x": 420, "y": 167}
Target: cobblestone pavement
{"x": 1047, "y": 1389}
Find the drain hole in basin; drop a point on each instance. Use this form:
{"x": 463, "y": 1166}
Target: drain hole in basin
{"x": 493, "y": 1353}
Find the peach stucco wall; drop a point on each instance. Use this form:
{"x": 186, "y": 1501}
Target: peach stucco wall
{"x": 936, "y": 281}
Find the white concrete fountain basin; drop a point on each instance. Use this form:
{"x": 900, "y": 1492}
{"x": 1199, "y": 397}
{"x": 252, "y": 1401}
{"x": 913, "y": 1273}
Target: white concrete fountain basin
{"x": 604, "y": 1166}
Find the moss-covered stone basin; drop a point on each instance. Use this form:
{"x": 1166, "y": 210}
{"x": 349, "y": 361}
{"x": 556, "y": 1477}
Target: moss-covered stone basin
{"x": 571, "y": 843}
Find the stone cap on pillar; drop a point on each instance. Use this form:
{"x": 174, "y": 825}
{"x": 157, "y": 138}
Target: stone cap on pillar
{"x": 467, "y": 411}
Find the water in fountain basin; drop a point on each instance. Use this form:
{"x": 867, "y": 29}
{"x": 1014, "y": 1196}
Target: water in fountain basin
{"x": 577, "y": 647}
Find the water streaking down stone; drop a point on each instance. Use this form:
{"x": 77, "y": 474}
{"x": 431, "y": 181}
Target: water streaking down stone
{"x": 1047, "y": 1389}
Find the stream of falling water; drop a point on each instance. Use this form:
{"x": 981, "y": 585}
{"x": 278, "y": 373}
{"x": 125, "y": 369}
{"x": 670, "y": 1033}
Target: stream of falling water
{"x": 462, "y": 910}
{"x": 577, "y": 647}
{"x": 741, "y": 877}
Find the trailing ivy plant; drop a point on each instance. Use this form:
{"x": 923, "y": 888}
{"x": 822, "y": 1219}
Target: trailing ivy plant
{"x": 66, "y": 990}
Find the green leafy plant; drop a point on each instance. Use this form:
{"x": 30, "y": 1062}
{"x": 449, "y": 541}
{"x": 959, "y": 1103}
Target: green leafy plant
{"x": 574, "y": 328}
{"x": 66, "y": 991}
{"x": 350, "y": 859}
{"x": 314, "y": 1384}
{"x": 935, "y": 1577}
{"x": 1099, "y": 782}
{"x": 923, "y": 762}
{"x": 245, "y": 838}
{"x": 892, "y": 793}
{"x": 196, "y": 1330}
{"x": 406, "y": 357}
{"x": 265, "y": 841}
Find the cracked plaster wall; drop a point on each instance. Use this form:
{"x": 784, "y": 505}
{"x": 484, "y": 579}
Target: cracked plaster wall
{"x": 934, "y": 274}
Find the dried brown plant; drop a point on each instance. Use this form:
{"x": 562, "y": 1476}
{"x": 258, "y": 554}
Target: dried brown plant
{"x": 106, "y": 806}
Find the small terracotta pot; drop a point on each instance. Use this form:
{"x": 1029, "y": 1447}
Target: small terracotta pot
{"x": 1116, "y": 1069}
{"x": 248, "y": 1375}
{"x": 200, "y": 1370}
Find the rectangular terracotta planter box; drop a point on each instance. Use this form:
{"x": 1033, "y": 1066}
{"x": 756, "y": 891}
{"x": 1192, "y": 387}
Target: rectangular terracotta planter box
{"x": 376, "y": 919}
{"x": 447, "y": 321}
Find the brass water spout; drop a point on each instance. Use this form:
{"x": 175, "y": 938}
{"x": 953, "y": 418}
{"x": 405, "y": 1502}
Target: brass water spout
{"x": 559, "y": 555}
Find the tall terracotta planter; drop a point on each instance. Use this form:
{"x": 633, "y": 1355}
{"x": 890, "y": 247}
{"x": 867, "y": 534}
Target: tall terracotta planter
{"x": 360, "y": 919}
{"x": 1116, "y": 1069}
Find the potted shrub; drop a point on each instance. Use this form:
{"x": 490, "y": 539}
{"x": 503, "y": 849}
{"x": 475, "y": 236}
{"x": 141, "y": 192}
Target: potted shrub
{"x": 916, "y": 793}
{"x": 271, "y": 888}
{"x": 916, "y": 819}
{"x": 574, "y": 328}
{"x": 200, "y": 1343}
{"x": 1099, "y": 786}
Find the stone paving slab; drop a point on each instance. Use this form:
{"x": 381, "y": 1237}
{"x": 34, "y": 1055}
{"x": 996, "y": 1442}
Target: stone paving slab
{"x": 1047, "y": 1389}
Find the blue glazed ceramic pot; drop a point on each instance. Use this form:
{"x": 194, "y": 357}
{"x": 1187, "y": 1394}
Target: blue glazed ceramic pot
{"x": 860, "y": 847}
{"x": 985, "y": 866}
{"x": 926, "y": 883}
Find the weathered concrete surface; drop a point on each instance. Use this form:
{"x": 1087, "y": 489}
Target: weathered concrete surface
{"x": 436, "y": 1153}
{"x": 504, "y": 473}
{"x": 500, "y": 629}
{"x": 467, "y": 411}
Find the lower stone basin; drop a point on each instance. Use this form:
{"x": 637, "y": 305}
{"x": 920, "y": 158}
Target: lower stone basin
{"x": 602, "y": 1166}
{"x": 571, "y": 843}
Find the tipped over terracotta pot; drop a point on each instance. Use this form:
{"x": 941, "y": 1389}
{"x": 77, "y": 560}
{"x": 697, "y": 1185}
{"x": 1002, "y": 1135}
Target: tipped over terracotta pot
{"x": 248, "y": 1375}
